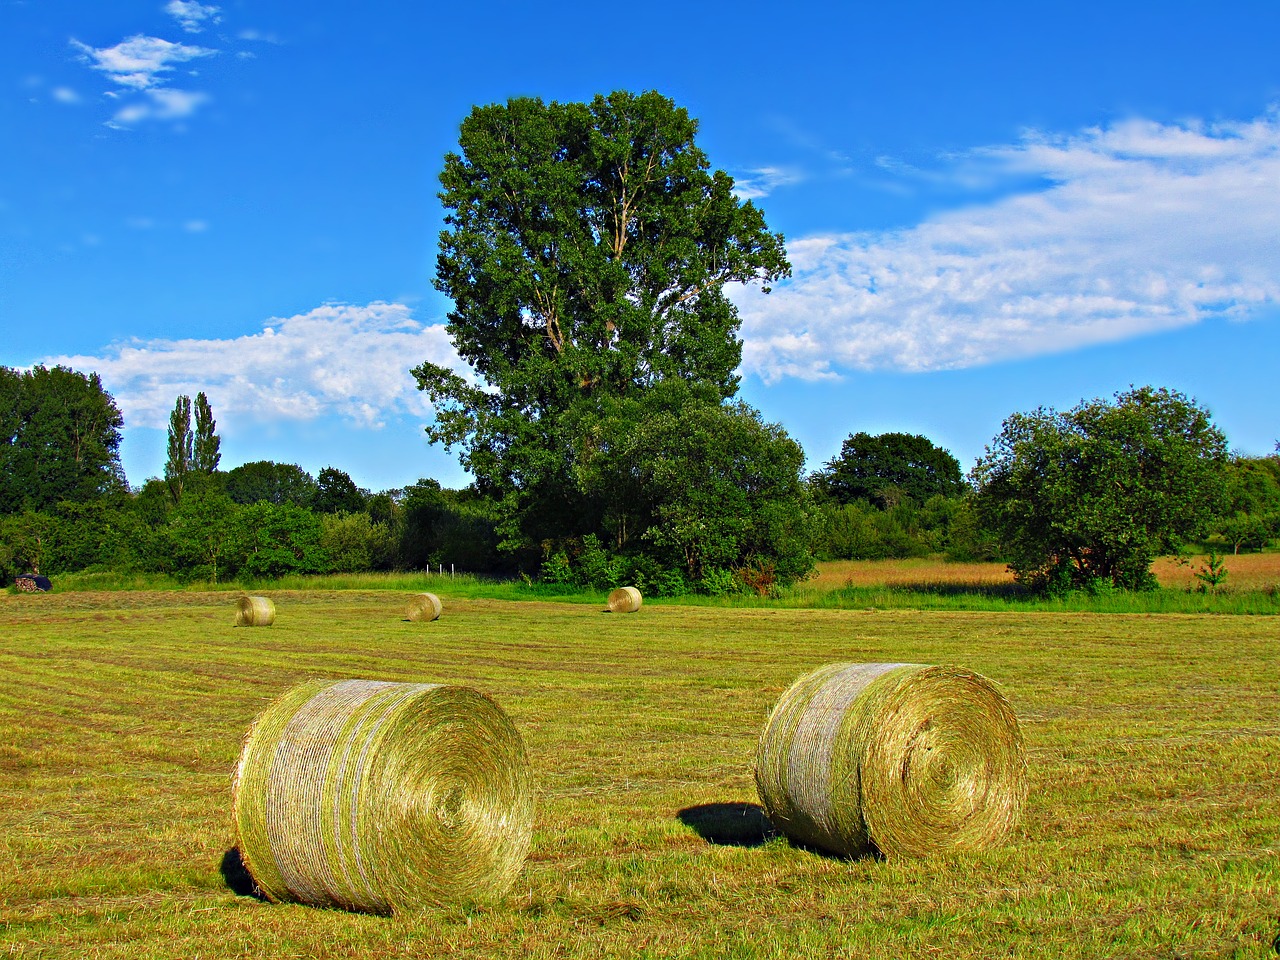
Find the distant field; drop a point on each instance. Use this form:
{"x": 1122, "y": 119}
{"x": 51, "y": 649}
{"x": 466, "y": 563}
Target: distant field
{"x": 1247, "y": 571}
{"x": 1152, "y": 830}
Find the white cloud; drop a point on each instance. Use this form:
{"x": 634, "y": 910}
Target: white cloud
{"x": 1144, "y": 227}
{"x": 761, "y": 182}
{"x": 337, "y": 360}
{"x": 65, "y": 95}
{"x": 137, "y": 62}
{"x": 192, "y": 16}
{"x": 162, "y": 103}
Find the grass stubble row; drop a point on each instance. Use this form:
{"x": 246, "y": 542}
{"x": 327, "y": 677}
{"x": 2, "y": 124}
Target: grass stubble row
{"x": 380, "y": 797}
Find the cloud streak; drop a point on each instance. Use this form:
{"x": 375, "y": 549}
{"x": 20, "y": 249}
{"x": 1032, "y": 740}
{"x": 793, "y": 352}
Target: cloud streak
{"x": 193, "y": 16}
{"x": 339, "y": 360}
{"x": 1142, "y": 227}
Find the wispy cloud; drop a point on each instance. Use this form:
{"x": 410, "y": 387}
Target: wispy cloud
{"x": 192, "y": 16}
{"x": 137, "y": 63}
{"x": 755, "y": 184}
{"x": 1141, "y": 227}
{"x": 139, "y": 66}
{"x": 336, "y": 360}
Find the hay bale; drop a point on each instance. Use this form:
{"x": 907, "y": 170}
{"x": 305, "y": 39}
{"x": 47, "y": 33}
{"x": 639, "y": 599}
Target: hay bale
{"x": 382, "y": 797}
{"x": 255, "y": 612}
{"x": 908, "y": 759}
{"x": 424, "y": 606}
{"x": 623, "y": 600}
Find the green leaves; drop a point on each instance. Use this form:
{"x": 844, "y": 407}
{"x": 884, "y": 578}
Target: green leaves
{"x": 586, "y": 249}
{"x": 1094, "y": 494}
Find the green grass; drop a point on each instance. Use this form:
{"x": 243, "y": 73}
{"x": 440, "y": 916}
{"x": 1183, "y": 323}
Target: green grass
{"x": 1152, "y": 827}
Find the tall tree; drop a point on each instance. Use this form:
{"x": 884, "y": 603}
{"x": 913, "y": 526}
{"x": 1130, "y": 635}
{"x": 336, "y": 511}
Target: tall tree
{"x": 178, "y": 464}
{"x": 878, "y": 468}
{"x": 59, "y": 438}
{"x": 586, "y": 252}
{"x": 1095, "y": 494}
{"x": 206, "y": 444}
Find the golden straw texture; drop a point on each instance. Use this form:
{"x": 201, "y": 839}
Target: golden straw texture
{"x": 255, "y": 612}
{"x": 424, "y": 606}
{"x": 911, "y": 760}
{"x": 624, "y": 600}
{"x": 383, "y": 797}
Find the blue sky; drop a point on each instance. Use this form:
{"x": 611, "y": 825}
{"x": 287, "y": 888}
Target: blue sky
{"x": 990, "y": 207}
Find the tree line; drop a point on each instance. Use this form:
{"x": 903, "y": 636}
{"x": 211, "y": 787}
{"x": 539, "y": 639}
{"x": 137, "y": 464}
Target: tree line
{"x": 586, "y": 251}
{"x": 1069, "y": 500}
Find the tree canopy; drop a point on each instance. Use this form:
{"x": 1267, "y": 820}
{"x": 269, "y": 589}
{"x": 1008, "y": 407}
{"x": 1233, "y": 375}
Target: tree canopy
{"x": 1094, "y": 494}
{"x": 881, "y": 468}
{"x": 59, "y": 438}
{"x": 586, "y": 252}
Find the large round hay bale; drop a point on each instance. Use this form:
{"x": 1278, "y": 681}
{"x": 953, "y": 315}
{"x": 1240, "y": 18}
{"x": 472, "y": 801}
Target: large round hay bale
{"x": 624, "y": 600}
{"x": 907, "y": 759}
{"x": 424, "y": 606}
{"x": 255, "y": 612}
{"x": 382, "y": 797}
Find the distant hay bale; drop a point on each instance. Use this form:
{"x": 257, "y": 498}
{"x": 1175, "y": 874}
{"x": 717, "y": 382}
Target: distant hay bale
{"x": 383, "y": 797}
{"x": 255, "y": 612}
{"x": 424, "y": 606}
{"x": 908, "y": 759}
{"x": 624, "y": 600}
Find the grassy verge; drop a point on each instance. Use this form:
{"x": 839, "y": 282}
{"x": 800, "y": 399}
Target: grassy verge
{"x": 1153, "y": 825}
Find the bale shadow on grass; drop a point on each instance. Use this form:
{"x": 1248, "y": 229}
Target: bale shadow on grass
{"x": 729, "y": 824}
{"x": 237, "y": 876}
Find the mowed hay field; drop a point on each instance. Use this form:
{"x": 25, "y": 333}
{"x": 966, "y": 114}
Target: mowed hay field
{"x": 1152, "y": 827}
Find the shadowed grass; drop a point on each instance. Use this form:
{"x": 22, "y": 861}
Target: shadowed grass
{"x": 1152, "y": 827}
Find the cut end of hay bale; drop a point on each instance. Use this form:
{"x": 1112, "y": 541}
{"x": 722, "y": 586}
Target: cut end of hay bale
{"x": 255, "y": 612}
{"x": 624, "y": 600}
{"x": 424, "y": 607}
{"x": 906, "y": 759}
{"x": 383, "y": 797}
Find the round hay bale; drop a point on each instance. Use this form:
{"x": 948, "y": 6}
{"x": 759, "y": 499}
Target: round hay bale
{"x": 255, "y": 612}
{"x": 623, "y": 600}
{"x": 424, "y": 606}
{"x": 907, "y": 759}
{"x": 383, "y": 797}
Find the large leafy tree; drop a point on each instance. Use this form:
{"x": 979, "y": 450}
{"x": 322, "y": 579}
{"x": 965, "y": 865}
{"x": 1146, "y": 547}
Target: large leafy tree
{"x": 1094, "y": 494}
{"x": 266, "y": 480}
{"x": 59, "y": 438}
{"x": 586, "y": 253}
{"x": 704, "y": 487}
{"x": 881, "y": 468}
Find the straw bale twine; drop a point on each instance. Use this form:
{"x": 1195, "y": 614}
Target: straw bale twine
{"x": 624, "y": 600}
{"x": 382, "y": 797}
{"x": 908, "y": 759}
{"x": 424, "y": 606}
{"x": 255, "y": 612}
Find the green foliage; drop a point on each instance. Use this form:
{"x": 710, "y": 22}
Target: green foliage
{"x": 885, "y": 468}
{"x": 1212, "y": 574}
{"x": 695, "y": 484}
{"x": 353, "y": 543}
{"x": 270, "y": 482}
{"x": 455, "y": 528}
{"x": 206, "y": 445}
{"x": 1251, "y": 517}
{"x": 336, "y": 492}
{"x": 59, "y": 439}
{"x": 586, "y": 251}
{"x": 178, "y": 463}
{"x": 1091, "y": 496}
{"x": 201, "y": 536}
{"x": 275, "y": 540}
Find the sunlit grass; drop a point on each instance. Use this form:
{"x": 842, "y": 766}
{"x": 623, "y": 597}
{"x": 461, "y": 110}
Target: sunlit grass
{"x": 1152, "y": 829}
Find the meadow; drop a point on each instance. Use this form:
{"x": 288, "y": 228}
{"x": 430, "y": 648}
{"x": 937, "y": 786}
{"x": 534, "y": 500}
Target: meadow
{"x": 1152, "y": 827}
